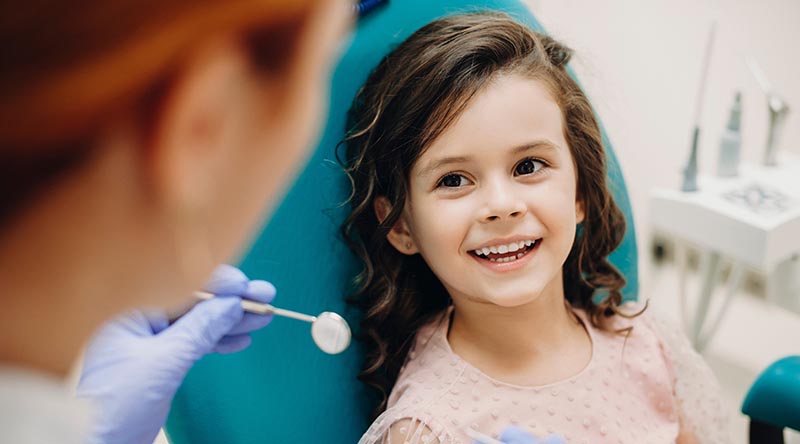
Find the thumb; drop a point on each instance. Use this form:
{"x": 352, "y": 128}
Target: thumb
{"x": 205, "y": 324}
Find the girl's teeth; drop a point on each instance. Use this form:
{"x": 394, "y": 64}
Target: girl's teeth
{"x": 508, "y": 259}
{"x": 503, "y": 249}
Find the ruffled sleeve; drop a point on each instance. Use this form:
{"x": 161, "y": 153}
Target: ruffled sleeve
{"x": 703, "y": 416}
{"x": 399, "y": 425}
{"x": 417, "y": 412}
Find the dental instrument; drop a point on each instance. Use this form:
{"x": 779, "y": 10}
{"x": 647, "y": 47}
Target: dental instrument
{"x": 778, "y": 110}
{"x": 330, "y": 332}
{"x": 690, "y": 172}
{"x": 731, "y": 141}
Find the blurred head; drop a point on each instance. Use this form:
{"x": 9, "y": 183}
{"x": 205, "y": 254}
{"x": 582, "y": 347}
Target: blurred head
{"x": 469, "y": 137}
{"x": 162, "y": 130}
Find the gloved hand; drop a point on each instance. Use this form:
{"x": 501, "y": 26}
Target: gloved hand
{"x": 516, "y": 435}
{"x": 135, "y": 364}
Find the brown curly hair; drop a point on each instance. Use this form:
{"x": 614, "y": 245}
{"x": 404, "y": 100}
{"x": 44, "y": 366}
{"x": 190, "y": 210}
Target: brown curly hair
{"x": 412, "y": 96}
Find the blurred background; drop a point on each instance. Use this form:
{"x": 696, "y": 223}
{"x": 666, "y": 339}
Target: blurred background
{"x": 641, "y": 64}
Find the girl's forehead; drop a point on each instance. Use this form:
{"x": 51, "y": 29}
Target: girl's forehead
{"x": 511, "y": 112}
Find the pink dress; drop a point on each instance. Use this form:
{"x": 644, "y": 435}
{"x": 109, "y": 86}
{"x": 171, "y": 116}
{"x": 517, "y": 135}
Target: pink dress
{"x": 655, "y": 390}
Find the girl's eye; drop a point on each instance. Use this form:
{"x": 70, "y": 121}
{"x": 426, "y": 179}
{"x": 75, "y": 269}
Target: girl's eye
{"x": 453, "y": 181}
{"x": 528, "y": 166}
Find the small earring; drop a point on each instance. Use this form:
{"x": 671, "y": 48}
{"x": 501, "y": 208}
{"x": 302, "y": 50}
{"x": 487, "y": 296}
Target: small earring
{"x": 408, "y": 245}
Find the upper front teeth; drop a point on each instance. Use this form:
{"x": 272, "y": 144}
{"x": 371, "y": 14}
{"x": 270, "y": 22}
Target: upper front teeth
{"x": 502, "y": 249}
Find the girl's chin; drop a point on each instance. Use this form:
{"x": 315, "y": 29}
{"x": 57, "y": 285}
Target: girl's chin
{"x": 517, "y": 300}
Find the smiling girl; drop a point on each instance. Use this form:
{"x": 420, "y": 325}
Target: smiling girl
{"x": 474, "y": 157}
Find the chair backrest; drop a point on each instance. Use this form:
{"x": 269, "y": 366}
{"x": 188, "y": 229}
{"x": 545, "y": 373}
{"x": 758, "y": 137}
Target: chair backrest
{"x": 282, "y": 389}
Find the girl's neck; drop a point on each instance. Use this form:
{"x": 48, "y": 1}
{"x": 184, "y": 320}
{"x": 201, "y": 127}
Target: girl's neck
{"x": 537, "y": 343}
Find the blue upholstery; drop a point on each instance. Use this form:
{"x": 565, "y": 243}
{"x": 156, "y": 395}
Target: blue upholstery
{"x": 282, "y": 389}
{"x": 774, "y": 398}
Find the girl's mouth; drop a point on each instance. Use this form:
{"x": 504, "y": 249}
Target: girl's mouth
{"x": 510, "y": 252}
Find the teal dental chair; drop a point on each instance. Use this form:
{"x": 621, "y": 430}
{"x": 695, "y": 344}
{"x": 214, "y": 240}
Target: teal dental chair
{"x": 773, "y": 402}
{"x": 283, "y": 389}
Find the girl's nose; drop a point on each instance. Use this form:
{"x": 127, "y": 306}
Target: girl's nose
{"x": 502, "y": 202}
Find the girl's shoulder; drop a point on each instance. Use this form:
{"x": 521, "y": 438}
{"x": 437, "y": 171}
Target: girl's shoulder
{"x": 644, "y": 341}
{"x": 643, "y": 331}
{"x": 640, "y": 325}
{"x": 653, "y": 343}
{"x": 635, "y": 346}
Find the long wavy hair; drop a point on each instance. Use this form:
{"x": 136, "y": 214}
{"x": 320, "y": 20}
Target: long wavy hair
{"x": 412, "y": 96}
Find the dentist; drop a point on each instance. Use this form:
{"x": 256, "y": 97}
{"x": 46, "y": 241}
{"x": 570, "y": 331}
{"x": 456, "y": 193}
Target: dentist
{"x": 141, "y": 144}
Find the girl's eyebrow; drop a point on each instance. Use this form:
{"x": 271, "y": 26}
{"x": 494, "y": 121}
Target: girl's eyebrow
{"x": 542, "y": 144}
{"x": 434, "y": 165}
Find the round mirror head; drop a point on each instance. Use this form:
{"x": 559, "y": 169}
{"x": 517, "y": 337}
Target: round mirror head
{"x": 331, "y": 333}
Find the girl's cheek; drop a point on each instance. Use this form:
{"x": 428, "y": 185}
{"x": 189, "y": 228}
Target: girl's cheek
{"x": 442, "y": 217}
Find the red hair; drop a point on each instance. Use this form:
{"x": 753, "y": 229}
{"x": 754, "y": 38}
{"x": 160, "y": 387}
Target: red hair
{"x": 66, "y": 69}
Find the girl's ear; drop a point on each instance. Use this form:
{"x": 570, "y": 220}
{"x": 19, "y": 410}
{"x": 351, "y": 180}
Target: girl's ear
{"x": 579, "y": 213}
{"x": 400, "y": 235}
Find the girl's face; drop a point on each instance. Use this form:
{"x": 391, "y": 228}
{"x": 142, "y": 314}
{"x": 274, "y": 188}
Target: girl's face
{"x": 492, "y": 206}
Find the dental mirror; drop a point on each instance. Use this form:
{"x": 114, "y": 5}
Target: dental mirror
{"x": 330, "y": 332}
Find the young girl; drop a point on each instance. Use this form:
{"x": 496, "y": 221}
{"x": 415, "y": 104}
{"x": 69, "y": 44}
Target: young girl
{"x": 474, "y": 157}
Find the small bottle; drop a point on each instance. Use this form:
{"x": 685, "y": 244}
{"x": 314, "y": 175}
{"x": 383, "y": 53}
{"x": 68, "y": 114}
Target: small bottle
{"x": 731, "y": 142}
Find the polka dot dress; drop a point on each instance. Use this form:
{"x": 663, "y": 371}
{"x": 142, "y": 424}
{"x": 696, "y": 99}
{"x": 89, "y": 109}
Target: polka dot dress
{"x": 650, "y": 388}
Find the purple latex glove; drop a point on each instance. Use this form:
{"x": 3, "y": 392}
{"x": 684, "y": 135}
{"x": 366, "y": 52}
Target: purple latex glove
{"x": 135, "y": 364}
{"x": 517, "y": 435}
